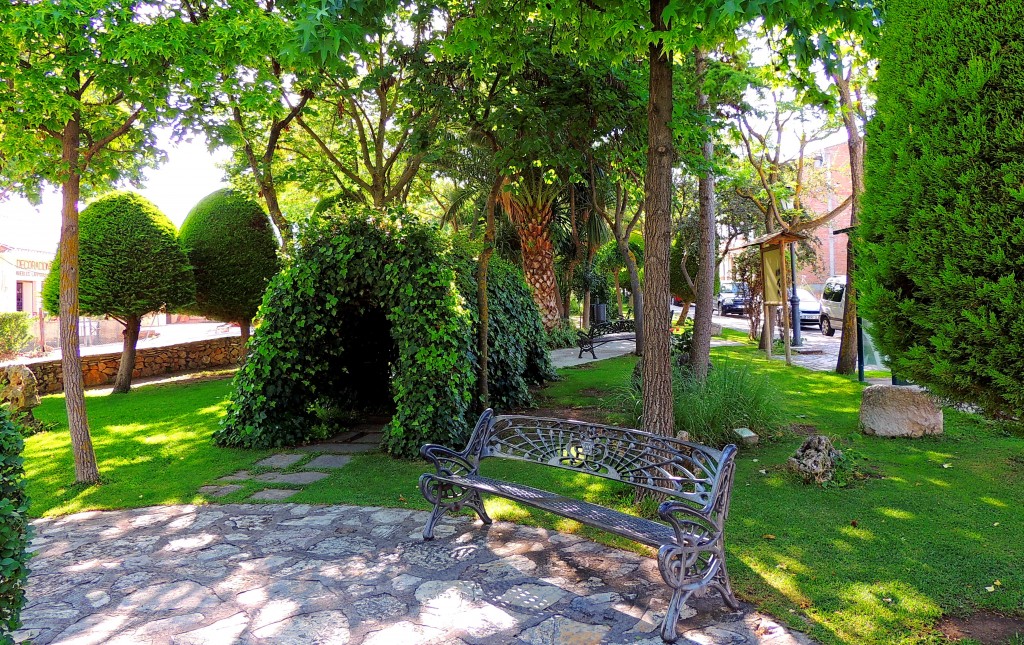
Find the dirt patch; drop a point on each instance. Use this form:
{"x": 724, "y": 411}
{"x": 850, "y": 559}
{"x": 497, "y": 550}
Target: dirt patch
{"x": 986, "y": 627}
{"x": 593, "y": 415}
{"x": 805, "y": 429}
{"x": 595, "y": 392}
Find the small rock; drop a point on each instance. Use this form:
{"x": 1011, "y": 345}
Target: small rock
{"x": 815, "y": 459}
{"x": 747, "y": 436}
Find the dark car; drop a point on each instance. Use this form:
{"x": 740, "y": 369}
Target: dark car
{"x": 732, "y": 298}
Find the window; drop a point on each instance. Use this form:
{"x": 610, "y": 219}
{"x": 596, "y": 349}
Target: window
{"x": 19, "y": 297}
{"x": 833, "y": 292}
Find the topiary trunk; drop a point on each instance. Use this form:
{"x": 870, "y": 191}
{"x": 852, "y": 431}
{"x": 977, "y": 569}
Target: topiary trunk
{"x": 123, "y": 381}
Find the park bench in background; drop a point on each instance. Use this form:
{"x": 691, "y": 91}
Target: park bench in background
{"x": 697, "y": 481}
{"x": 605, "y": 332}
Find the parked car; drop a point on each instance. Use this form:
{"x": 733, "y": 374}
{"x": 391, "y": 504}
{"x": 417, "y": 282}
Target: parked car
{"x": 810, "y": 310}
{"x": 732, "y": 298}
{"x": 833, "y": 302}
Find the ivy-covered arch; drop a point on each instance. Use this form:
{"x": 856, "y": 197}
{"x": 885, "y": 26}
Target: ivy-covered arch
{"x": 379, "y": 300}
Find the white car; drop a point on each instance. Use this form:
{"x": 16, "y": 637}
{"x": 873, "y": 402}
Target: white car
{"x": 809, "y": 309}
{"x": 833, "y": 302}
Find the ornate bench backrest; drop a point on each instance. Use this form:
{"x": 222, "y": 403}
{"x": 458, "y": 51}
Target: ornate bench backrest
{"x": 676, "y": 468}
{"x": 612, "y": 327}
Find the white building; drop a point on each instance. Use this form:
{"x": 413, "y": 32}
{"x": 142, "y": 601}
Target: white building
{"x": 22, "y": 272}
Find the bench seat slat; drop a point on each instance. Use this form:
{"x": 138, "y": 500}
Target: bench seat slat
{"x": 634, "y": 528}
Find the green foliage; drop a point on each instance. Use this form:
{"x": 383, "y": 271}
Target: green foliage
{"x": 732, "y": 396}
{"x": 565, "y": 334}
{"x": 130, "y": 261}
{"x": 233, "y": 250}
{"x": 15, "y": 531}
{"x": 14, "y": 333}
{"x": 377, "y": 305}
{"x": 942, "y": 248}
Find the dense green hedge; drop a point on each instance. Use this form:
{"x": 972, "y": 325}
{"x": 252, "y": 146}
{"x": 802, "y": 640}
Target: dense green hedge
{"x": 233, "y": 250}
{"x": 15, "y": 530}
{"x": 941, "y": 257}
{"x": 375, "y": 301}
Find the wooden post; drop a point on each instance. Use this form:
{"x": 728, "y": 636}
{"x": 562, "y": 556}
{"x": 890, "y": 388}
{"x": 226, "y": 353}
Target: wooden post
{"x": 785, "y": 317}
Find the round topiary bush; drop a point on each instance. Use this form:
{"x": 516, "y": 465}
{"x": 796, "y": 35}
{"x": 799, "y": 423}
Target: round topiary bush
{"x": 376, "y": 308}
{"x": 130, "y": 264}
{"x": 233, "y": 250}
{"x": 941, "y": 254}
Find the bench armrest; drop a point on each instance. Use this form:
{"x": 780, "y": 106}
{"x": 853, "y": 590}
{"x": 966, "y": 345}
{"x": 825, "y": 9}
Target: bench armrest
{"x": 447, "y": 461}
{"x": 693, "y": 528}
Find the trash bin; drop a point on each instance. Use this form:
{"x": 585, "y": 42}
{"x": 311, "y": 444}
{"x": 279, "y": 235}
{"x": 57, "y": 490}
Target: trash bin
{"x": 598, "y": 313}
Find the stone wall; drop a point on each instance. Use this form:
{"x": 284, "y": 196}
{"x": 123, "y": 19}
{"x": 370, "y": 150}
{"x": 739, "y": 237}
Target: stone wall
{"x": 101, "y": 369}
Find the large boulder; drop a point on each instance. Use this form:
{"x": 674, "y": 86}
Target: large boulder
{"x": 899, "y": 411}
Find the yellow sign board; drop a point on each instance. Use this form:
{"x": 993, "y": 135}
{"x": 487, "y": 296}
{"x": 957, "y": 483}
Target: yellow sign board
{"x": 772, "y": 266}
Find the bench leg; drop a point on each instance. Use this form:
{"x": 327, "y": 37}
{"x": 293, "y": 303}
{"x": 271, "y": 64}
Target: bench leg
{"x": 675, "y": 606}
{"x": 720, "y": 583}
{"x": 475, "y": 502}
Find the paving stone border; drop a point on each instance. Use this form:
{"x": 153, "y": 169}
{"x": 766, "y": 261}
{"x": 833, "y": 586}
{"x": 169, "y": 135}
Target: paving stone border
{"x": 291, "y": 573}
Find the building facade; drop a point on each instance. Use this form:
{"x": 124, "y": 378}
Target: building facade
{"x": 22, "y": 272}
{"x": 833, "y": 165}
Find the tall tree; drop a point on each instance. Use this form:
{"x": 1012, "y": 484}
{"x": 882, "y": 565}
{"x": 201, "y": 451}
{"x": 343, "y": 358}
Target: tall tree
{"x": 85, "y": 83}
{"x": 131, "y": 265}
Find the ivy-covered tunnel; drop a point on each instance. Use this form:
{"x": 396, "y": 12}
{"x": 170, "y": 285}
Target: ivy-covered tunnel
{"x": 376, "y": 311}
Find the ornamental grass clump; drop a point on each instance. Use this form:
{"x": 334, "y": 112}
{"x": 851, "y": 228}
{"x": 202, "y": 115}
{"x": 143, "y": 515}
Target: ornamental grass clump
{"x": 732, "y": 396}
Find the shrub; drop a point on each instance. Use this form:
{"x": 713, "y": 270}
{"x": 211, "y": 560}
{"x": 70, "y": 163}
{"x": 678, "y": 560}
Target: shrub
{"x": 130, "y": 264}
{"x": 233, "y": 250}
{"x": 377, "y": 307}
{"x": 15, "y": 530}
{"x": 565, "y": 334}
{"x": 15, "y": 333}
{"x": 732, "y": 396}
{"x": 941, "y": 254}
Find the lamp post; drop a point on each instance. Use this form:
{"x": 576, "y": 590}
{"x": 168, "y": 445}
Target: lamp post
{"x": 794, "y": 300}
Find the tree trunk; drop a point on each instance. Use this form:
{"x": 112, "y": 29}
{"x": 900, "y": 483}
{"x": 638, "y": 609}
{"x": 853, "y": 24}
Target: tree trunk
{"x": 638, "y": 294}
{"x": 276, "y": 216}
{"x": 681, "y": 320}
{"x": 243, "y": 328}
{"x": 585, "y": 317}
{"x": 700, "y": 349}
{"x": 483, "y": 264}
{"x": 123, "y": 380}
{"x": 658, "y": 415}
{"x": 618, "y": 293}
{"x": 71, "y": 359}
{"x": 847, "y": 363}
{"x": 539, "y": 262}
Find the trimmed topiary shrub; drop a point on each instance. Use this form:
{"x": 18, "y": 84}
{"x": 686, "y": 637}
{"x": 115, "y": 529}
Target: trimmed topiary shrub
{"x": 941, "y": 253}
{"x": 15, "y": 333}
{"x": 15, "y": 531}
{"x": 375, "y": 308}
{"x": 233, "y": 250}
{"x": 130, "y": 264}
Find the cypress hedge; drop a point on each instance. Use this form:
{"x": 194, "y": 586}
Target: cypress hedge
{"x": 941, "y": 241}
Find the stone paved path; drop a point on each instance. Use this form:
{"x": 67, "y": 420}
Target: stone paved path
{"x": 287, "y": 573}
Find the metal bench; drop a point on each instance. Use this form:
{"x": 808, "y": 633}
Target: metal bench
{"x": 697, "y": 481}
{"x": 594, "y": 336}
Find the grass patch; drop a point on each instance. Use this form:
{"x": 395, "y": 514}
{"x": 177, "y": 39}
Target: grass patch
{"x": 878, "y": 562}
{"x": 152, "y": 447}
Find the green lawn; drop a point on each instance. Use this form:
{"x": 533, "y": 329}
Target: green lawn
{"x": 879, "y": 562}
